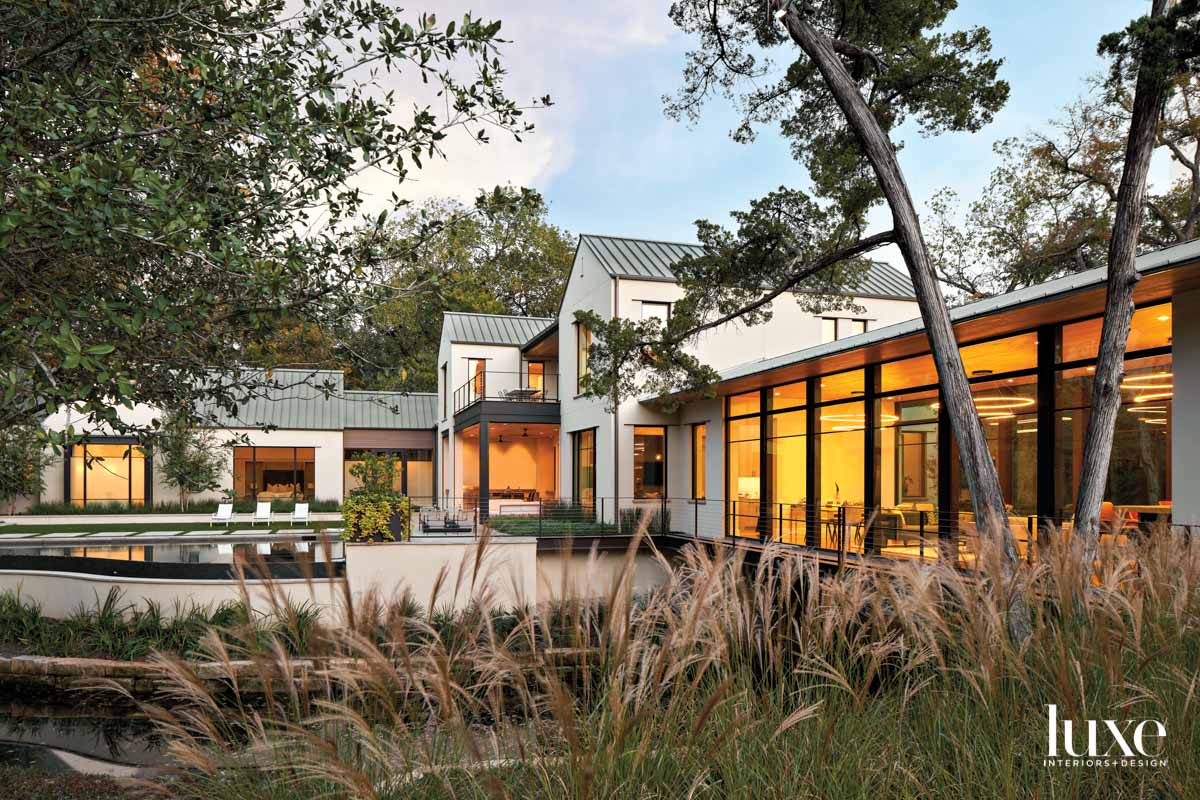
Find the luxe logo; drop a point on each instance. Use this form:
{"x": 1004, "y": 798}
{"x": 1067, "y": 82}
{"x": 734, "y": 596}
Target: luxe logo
{"x": 1108, "y": 742}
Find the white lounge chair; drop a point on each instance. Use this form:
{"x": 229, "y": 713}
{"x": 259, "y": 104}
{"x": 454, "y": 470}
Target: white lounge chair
{"x": 300, "y": 514}
{"x": 223, "y": 514}
{"x": 262, "y": 513}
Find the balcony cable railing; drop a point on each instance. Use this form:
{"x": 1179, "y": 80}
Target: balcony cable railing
{"x": 522, "y": 387}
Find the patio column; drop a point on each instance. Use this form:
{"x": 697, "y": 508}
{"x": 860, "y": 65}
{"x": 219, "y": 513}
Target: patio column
{"x": 484, "y": 470}
{"x": 1185, "y": 418}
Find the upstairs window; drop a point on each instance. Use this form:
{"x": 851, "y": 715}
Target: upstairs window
{"x": 659, "y": 311}
{"x": 583, "y": 344}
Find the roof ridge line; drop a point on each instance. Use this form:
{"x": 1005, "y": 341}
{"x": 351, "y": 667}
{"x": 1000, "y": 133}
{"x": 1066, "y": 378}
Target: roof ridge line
{"x": 639, "y": 239}
{"x": 505, "y": 316}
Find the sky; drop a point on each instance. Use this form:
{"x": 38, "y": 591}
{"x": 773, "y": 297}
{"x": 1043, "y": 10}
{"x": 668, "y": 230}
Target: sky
{"x": 608, "y": 160}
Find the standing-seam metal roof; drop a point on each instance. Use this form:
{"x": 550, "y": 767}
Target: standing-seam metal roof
{"x": 389, "y": 410}
{"x": 317, "y": 400}
{"x": 501, "y": 329}
{"x": 649, "y": 260}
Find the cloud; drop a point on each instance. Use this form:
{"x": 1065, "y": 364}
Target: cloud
{"x": 553, "y": 48}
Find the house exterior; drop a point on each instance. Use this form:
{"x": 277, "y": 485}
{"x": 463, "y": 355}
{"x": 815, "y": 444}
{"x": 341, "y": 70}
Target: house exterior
{"x": 514, "y": 384}
{"x": 823, "y": 433}
{"x": 316, "y": 430}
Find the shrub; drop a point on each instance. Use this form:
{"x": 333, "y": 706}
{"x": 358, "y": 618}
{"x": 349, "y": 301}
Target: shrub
{"x": 368, "y": 518}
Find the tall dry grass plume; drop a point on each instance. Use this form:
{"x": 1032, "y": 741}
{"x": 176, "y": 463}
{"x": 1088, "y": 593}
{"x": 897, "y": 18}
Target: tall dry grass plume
{"x": 727, "y": 681}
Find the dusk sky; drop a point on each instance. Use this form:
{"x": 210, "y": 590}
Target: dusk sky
{"x": 609, "y": 161}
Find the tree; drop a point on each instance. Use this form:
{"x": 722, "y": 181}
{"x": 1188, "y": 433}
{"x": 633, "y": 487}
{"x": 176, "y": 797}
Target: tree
{"x": 854, "y": 73}
{"x": 1048, "y": 207}
{"x": 499, "y": 256}
{"x": 190, "y": 457}
{"x": 1151, "y": 52}
{"x": 178, "y": 182}
{"x": 22, "y": 460}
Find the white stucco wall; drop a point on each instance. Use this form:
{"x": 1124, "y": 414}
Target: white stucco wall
{"x": 327, "y": 452}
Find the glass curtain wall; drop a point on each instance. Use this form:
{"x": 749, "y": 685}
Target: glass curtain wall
{"x": 873, "y": 440}
{"x": 1138, "y": 488}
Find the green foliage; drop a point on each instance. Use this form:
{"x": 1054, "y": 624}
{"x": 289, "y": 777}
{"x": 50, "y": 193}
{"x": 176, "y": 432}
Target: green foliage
{"x": 368, "y": 517}
{"x": 113, "y": 629}
{"x": 499, "y": 256}
{"x": 179, "y": 183}
{"x": 190, "y": 458}
{"x": 376, "y": 474}
{"x": 22, "y": 460}
{"x": 1049, "y": 205}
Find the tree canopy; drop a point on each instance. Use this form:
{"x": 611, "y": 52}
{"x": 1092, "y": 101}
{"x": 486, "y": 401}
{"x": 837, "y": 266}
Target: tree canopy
{"x": 500, "y": 255}
{"x": 797, "y": 245}
{"x": 178, "y": 182}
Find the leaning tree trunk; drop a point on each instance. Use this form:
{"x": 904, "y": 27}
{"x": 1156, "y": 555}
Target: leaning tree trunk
{"x": 991, "y": 518}
{"x": 1151, "y": 93}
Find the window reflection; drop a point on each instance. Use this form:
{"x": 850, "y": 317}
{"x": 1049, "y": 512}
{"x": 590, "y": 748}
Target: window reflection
{"x": 1138, "y": 488}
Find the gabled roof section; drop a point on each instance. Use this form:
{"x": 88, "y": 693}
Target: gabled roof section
{"x": 389, "y": 410}
{"x": 638, "y": 258}
{"x": 645, "y": 259}
{"x": 498, "y": 329}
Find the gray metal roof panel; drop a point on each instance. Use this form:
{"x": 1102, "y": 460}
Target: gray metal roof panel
{"x": 293, "y": 399}
{"x": 298, "y": 399}
{"x": 499, "y": 329}
{"x": 1150, "y": 262}
{"x": 389, "y": 410}
{"x": 650, "y": 260}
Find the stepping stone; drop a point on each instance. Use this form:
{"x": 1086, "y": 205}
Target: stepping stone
{"x": 296, "y": 531}
{"x": 65, "y": 535}
{"x": 115, "y": 534}
{"x": 205, "y": 533}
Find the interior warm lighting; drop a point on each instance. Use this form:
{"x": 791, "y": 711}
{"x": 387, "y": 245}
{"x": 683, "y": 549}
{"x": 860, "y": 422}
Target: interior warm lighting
{"x": 1146, "y": 398}
{"x": 1026, "y": 430}
{"x": 1163, "y": 318}
{"x": 859, "y": 418}
{"x": 1159, "y": 380}
{"x": 1155, "y": 421}
{"x": 1066, "y": 419}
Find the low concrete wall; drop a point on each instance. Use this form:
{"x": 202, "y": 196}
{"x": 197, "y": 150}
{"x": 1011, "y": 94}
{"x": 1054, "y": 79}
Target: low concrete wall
{"x": 561, "y": 574}
{"x": 447, "y": 572}
{"x": 60, "y": 594}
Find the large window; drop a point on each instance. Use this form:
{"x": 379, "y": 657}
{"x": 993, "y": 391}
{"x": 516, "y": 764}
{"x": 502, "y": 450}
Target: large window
{"x": 583, "y": 344}
{"x": 744, "y": 491}
{"x": 583, "y": 466}
{"x": 274, "y": 473}
{"x": 699, "y": 460}
{"x": 787, "y": 465}
{"x": 649, "y": 461}
{"x": 1138, "y": 486}
{"x": 108, "y": 472}
{"x": 413, "y": 472}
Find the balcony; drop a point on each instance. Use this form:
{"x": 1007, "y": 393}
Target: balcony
{"x": 513, "y": 387}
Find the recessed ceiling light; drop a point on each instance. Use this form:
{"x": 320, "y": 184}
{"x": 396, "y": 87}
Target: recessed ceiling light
{"x": 1163, "y": 318}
